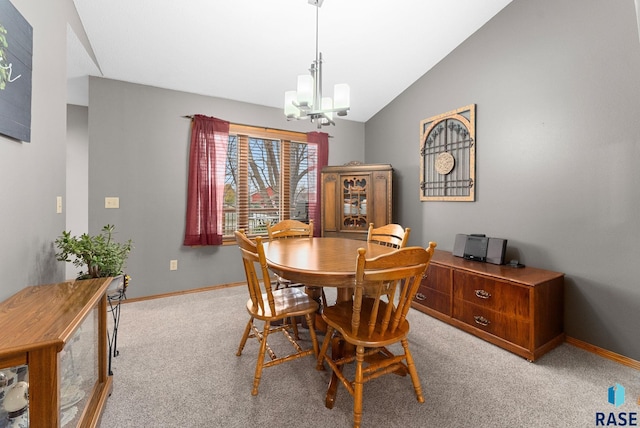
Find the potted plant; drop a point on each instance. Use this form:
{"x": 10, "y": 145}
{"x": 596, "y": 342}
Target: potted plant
{"x": 100, "y": 255}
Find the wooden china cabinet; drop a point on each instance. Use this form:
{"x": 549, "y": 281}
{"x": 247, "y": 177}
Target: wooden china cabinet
{"x": 53, "y": 340}
{"x": 518, "y": 309}
{"x": 354, "y": 195}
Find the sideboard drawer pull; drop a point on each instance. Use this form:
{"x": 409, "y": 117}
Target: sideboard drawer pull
{"x": 481, "y": 320}
{"x": 482, "y": 294}
{"x": 420, "y": 296}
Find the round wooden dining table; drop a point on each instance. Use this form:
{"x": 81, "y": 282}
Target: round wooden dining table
{"x": 321, "y": 262}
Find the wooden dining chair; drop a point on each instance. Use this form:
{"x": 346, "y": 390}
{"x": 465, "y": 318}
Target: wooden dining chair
{"x": 391, "y": 235}
{"x": 293, "y": 229}
{"x": 370, "y": 324}
{"x": 271, "y": 306}
{"x": 289, "y": 229}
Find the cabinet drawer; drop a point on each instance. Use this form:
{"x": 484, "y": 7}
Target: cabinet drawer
{"x": 438, "y": 278}
{"x": 433, "y": 299}
{"x": 503, "y": 297}
{"x": 511, "y": 329}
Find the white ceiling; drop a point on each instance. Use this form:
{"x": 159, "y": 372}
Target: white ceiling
{"x": 253, "y": 50}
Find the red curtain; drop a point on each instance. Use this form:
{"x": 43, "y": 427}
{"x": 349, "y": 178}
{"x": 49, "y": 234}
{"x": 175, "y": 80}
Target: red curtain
{"x": 205, "y": 194}
{"x": 320, "y": 142}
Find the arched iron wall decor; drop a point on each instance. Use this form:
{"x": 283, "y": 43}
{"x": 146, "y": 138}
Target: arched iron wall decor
{"x": 447, "y": 156}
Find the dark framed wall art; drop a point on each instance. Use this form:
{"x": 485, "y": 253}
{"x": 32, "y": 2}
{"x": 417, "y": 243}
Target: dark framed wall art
{"x": 16, "y": 51}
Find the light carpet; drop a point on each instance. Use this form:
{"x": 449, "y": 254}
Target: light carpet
{"x": 177, "y": 368}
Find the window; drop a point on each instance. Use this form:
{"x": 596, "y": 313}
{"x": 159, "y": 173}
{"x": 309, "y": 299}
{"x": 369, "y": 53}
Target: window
{"x": 270, "y": 176}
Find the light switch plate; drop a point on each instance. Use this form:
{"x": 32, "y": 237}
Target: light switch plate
{"x": 112, "y": 202}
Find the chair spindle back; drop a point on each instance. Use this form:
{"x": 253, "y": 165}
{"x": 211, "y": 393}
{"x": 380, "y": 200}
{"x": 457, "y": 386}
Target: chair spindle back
{"x": 290, "y": 229}
{"x": 401, "y": 270}
{"x": 391, "y": 235}
{"x": 254, "y": 260}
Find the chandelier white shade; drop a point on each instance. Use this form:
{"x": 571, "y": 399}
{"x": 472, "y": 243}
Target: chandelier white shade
{"x": 307, "y": 100}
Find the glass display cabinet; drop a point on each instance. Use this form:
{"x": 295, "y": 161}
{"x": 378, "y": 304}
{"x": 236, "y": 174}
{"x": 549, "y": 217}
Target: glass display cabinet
{"x": 354, "y": 195}
{"x": 53, "y": 355}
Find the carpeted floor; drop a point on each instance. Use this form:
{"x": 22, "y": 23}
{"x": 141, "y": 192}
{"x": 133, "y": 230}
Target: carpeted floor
{"x": 177, "y": 368}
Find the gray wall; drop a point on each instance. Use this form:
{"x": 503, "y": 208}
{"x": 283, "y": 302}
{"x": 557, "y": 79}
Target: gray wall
{"x": 77, "y": 212}
{"x": 33, "y": 174}
{"x": 557, "y": 90}
{"x": 138, "y": 150}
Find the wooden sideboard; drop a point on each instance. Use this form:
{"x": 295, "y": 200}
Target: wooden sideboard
{"x": 518, "y": 309}
{"x": 56, "y": 336}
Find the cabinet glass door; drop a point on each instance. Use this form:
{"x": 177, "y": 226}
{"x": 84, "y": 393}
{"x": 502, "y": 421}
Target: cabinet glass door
{"x": 78, "y": 370}
{"x": 14, "y": 403}
{"x": 355, "y": 189}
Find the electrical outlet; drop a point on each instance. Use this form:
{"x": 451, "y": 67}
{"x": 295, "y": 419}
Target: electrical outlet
{"x": 173, "y": 265}
{"x": 112, "y": 202}
{"x": 58, "y": 204}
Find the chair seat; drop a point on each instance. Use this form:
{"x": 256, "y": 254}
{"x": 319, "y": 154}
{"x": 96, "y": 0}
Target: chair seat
{"x": 288, "y": 302}
{"x": 339, "y": 316}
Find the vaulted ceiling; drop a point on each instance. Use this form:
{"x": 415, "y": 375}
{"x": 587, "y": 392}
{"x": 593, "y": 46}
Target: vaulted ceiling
{"x": 253, "y": 50}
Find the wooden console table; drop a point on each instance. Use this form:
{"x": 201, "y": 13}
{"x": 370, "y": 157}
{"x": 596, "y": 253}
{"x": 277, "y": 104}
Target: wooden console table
{"x": 518, "y": 309}
{"x": 56, "y": 335}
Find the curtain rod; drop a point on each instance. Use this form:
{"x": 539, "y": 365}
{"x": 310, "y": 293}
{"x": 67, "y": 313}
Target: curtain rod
{"x": 259, "y": 127}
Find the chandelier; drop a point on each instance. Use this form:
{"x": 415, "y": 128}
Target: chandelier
{"x": 307, "y": 101}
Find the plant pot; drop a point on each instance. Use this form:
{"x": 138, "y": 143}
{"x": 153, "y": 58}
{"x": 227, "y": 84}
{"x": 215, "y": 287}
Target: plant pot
{"x": 117, "y": 284}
